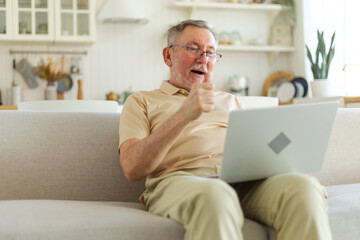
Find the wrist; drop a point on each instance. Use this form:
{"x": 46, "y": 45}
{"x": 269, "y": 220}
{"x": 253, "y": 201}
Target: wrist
{"x": 181, "y": 118}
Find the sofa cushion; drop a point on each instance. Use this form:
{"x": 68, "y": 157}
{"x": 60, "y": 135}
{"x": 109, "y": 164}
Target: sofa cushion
{"x": 344, "y": 211}
{"x": 55, "y": 219}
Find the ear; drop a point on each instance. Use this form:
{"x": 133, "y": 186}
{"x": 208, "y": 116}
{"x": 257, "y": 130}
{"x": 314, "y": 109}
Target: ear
{"x": 167, "y": 56}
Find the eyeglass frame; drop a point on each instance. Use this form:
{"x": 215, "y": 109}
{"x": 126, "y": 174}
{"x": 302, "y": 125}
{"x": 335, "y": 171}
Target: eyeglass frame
{"x": 193, "y": 50}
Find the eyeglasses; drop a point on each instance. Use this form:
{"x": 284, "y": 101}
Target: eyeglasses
{"x": 198, "y": 52}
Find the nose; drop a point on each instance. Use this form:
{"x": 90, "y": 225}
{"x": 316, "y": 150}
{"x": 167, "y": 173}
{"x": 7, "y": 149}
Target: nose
{"x": 202, "y": 58}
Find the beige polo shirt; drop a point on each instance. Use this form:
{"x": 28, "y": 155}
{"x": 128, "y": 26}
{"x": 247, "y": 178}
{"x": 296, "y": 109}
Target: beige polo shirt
{"x": 200, "y": 144}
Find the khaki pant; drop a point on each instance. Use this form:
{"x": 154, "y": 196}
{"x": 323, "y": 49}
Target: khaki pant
{"x": 209, "y": 208}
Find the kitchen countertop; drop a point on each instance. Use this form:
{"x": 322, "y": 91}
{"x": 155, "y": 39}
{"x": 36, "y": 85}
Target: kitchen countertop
{"x": 8, "y": 107}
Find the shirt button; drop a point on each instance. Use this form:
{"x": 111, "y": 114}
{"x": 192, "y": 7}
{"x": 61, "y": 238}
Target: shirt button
{"x": 183, "y": 92}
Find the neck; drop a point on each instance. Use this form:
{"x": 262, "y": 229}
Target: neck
{"x": 176, "y": 84}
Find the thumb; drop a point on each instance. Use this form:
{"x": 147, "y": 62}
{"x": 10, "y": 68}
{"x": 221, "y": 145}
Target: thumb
{"x": 207, "y": 78}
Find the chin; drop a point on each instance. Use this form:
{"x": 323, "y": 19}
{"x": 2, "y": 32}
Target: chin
{"x": 192, "y": 81}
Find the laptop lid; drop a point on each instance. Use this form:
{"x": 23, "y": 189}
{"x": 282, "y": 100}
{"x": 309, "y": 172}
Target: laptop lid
{"x": 265, "y": 142}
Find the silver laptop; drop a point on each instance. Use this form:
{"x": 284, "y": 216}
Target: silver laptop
{"x": 265, "y": 142}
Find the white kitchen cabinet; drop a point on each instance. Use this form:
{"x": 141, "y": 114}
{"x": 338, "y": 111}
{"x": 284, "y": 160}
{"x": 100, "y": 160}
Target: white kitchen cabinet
{"x": 75, "y": 20}
{"x": 33, "y": 20}
{"x": 272, "y": 10}
{"x": 48, "y": 20}
{"x": 5, "y": 19}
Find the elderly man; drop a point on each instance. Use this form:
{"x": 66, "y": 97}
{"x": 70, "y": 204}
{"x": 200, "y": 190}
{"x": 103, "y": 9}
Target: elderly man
{"x": 174, "y": 136}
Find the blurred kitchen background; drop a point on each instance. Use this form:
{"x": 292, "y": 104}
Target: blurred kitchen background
{"x": 112, "y": 55}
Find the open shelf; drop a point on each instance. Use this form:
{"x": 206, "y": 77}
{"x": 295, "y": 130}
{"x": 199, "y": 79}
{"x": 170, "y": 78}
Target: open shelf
{"x": 272, "y": 10}
{"x": 271, "y": 51}
{"x": 256, "y": 48}
{"x": 234, "y": 6}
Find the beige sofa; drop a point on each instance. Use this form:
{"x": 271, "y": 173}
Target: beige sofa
{"x": 60, "y": 179}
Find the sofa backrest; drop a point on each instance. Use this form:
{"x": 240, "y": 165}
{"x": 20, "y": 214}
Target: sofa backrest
{"x": 69, "y": 106}
{"x": 251, "y": 102}
{"x": 69, "y": 156}
{"x": 73, "y": 156}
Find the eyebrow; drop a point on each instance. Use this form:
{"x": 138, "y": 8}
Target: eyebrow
{"x": 198, "y": 45}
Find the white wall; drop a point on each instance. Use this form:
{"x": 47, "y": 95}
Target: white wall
{"x": 126, "y": 55}
{"x": 298, "y": 58}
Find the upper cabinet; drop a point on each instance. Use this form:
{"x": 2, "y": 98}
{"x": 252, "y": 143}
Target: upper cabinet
{"x": 33, "y": 20}
{"x": 48, "y": 20}
{"x": 5, "y": 19}
{"x": 75, "y": 20}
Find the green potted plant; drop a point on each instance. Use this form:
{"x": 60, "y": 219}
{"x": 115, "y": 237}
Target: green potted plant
{"x": 319, "y": 69}
{"x": 320, "y": 66}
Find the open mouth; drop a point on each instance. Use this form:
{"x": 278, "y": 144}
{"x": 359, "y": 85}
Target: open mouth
{"x": 198, "y": 72}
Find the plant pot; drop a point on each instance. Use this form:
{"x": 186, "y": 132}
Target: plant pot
{"x": 50, "y": 91}
{"x": 325, "y": 88}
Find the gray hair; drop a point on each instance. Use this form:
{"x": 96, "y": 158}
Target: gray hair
{"x": 175, "y": 30}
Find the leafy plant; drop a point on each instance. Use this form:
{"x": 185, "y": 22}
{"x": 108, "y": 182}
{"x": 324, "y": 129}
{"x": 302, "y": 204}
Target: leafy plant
{"x": 319, "y": 69}
{"x": 50, "y": 71}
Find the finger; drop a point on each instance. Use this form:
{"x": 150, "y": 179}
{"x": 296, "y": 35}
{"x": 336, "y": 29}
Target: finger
{"x": 207, "y": 107}
{"x": 207, "y": 101}
{"x": 206, "y": 94}
{"x": 209, "y": 96}
{"x": 207, "y": 85}
{"x": 207, "y": 78}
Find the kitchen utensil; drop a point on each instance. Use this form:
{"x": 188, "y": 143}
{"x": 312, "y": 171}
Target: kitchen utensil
{"x": 275, "y": 78}
{"x": 50, "y": 91}
{"x": 16, "y": 90}
{"x": 286, "y": 91}
{"x": 80, "y": 90}
{"x": 65, "y": 83}
{"x": 112, "y": 96}
{"x": 75, "y": 63}
{"x": 13, "y": 83}
{"x": 239, "y": 85}
{"x": 236, "y": 38}
{"x": 299, "y": 88}
{"x": 16, "y": 95}
{"x": 26, "y": 71}
{"x": 302, "y": 86}
{"x": 272, "y": 91}
{"x": 224, "y": 38}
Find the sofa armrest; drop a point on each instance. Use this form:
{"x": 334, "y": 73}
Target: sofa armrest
{"x": 342, "y": 160}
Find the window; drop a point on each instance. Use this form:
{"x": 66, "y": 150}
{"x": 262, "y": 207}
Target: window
{"x": 342, "y": 17}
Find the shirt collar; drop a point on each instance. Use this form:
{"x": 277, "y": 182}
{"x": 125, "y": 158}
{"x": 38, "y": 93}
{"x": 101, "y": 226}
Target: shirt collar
{"x": 170, "y": 89}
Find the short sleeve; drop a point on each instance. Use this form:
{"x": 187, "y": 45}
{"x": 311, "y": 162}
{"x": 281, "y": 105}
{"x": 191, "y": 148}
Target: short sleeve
{"x": 239, "y": 105}
{"x": 133, "y": 120}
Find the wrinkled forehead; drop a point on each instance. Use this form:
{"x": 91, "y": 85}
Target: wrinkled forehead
{"x": 195, "y": 35}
